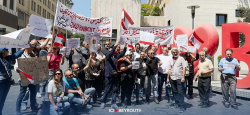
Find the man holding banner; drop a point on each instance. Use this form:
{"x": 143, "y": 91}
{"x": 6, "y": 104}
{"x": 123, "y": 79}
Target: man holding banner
{"x": 32, "y": 88}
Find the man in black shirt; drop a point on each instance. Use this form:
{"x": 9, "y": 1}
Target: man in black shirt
{"x": 152, "y": 63}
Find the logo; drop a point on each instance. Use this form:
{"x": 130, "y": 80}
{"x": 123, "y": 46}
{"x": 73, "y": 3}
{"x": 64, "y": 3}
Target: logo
{"x": 125, "y": 110}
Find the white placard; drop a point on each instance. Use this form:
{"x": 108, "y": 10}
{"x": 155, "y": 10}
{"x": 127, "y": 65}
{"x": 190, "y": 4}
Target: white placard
{"x": 135, "y": 64}
{"x": 73, "y": 43}
{"x": 42, "y": 26}
{"x": 182, "y": 40}
{"x": 192, "y": 49}
{"x": 67, "y": 19}
{"x": 229, "y": 65}
{"x": 164, "y": 34}
{"x": 17, "y": 39}
{"x": 65, "y": 50}
{"x": 147, "y": 38}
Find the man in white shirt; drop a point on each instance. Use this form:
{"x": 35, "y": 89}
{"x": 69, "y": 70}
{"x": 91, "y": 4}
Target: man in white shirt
{"x": 163, "y": 70}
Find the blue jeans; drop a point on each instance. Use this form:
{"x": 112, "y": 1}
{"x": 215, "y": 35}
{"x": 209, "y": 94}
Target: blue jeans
{"x": 26, "y": 98}
{"x": 154, "y": 79}
{"x": 185, "y": 86}
{"x": 76, "y": 98}
{"x": 43, "y": 87}
{"x": 51, "y": 73}
{"x": 48, "y": 109}
{"x": 111, "y": 85}
{"x": 23, "y": 90}
{"x": 4, "y": 90}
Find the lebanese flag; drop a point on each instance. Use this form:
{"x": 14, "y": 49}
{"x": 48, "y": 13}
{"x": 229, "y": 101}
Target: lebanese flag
{"x": 126, "y": 20}
{"x": 30, "y": 79}
{"x": 195, "y": 41}
{"x": 183, "y": 49}
{"x": 130, "y": 44}
{"x": 58, "y": 40}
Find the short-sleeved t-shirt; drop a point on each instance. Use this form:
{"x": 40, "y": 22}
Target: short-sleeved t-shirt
{"x": 153, "y": 65}
{"x": 226, "y": 70}
{"x": 204, "y": 67}
{"x": 129, "y": 72}
{"x": 54, "y": 63}
{"x": 177, "y": 66}
{"x": 51, "y": 88}
{"x": 72, "y": 84}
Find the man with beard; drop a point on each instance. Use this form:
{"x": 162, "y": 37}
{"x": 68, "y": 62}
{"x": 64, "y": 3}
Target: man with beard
{"x": 79, "y": 75}
{"x": 176, "y": 77}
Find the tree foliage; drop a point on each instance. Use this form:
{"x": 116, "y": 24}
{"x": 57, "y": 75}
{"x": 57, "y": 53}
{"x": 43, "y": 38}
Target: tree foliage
{"x": 244, "y": 13}
{"x": 149, "y": 10}
{"x": 76, "y": 35}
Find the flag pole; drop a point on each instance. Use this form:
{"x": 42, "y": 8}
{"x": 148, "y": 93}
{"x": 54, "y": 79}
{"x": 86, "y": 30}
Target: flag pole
{"x": 52, "y": 42}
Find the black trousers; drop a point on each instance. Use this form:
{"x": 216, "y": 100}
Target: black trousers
{"x": 178, "y": 91}
{"x": 126, "y": 89}
{"x": 190, "y": 84}
{"x": 204, "y": 84}
{"x": 94, "y": 84}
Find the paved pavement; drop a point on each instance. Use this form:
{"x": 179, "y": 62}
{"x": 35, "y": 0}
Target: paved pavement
{"x": 163, "y": 108}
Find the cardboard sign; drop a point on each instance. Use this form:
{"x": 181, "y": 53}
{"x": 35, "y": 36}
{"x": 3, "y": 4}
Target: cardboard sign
{"x": 17, "y": 39}
{"x": 36, "y": 67}
{"x": 42, "y": 26}
{"x": 73, "y": 43}
{"x": 182, "y": 42}
{"x": 67, "y": 19}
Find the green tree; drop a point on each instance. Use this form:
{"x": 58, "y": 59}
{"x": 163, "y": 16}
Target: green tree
{"x": 145, "y": 9}
{"x": 156, "y": 11}
{"x": 149, "y": 10}
{"x": 76, "y": 35}
{"x": 244, "y": 13}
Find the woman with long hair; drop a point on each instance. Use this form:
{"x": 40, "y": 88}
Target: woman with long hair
{"x": 5, "y": 73}
{"x": 54, "y": 60}
{"x": 54, "y": 101}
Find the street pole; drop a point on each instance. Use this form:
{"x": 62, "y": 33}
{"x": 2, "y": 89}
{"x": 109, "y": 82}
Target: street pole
{"x": 193, "y": 7}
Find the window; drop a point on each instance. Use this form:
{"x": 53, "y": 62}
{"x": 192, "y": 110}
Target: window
{"x": 169, "y": 22}
{"x": 44, "y": 13}
{"x": 39, "y": 9}
{"x": 52, "y": 17}
{"x": 48, "y": 15}
{"x": 21, "y": 2}
{"x": 44, "y": 2}
{"x": 33, "y": 6}
{"x": 5, "y": 3}
{"x": 237, "y": 12}
{"x": 221, "y": 19}
{"x": 12, "y": 4}
{"x": 52, "y": 7}
{"x": 20, "y": 15}
{"x": 49, "y": 4}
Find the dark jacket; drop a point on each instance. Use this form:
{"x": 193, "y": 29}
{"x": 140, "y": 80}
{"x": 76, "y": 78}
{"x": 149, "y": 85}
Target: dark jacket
{"x": 93, "y": 69}
{"x": 9, "y": 58}
{"x": 111, "y": 61}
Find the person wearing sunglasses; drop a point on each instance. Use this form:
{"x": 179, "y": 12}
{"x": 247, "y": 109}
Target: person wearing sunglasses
{"x": 54, "y": 101}
{"x": 55, "y": 60}
{"x": 74, "y": 91}
{"x": 228, "y": 79}
{"x": 5, "y": 73}
{"x": 153, "y": 63}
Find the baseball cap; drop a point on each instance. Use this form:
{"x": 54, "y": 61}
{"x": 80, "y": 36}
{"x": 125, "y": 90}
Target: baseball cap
{"x": 128, "y": 53}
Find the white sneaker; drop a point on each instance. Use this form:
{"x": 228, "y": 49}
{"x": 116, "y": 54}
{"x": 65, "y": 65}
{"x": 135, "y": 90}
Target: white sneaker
{"x": 38, "y": 95}
{"x": 102, "y": 105}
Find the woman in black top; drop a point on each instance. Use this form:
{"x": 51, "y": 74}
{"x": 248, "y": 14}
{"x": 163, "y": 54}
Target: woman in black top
{"x": 127, "y": 79}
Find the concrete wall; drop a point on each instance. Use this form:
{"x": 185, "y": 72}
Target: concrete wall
{"x": 147, "y": 21}
{"x": 178, "y": 13}
{"x": 113, "y": 8}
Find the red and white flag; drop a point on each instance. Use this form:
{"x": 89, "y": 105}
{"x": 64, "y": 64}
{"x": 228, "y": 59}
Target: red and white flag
{"x": 126, "y": 21}
{"x": 130, "y": 44}
{"x": 58, "y": 40}
{"x": 195, "y": 41}
{"x": 30, "y": 79}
